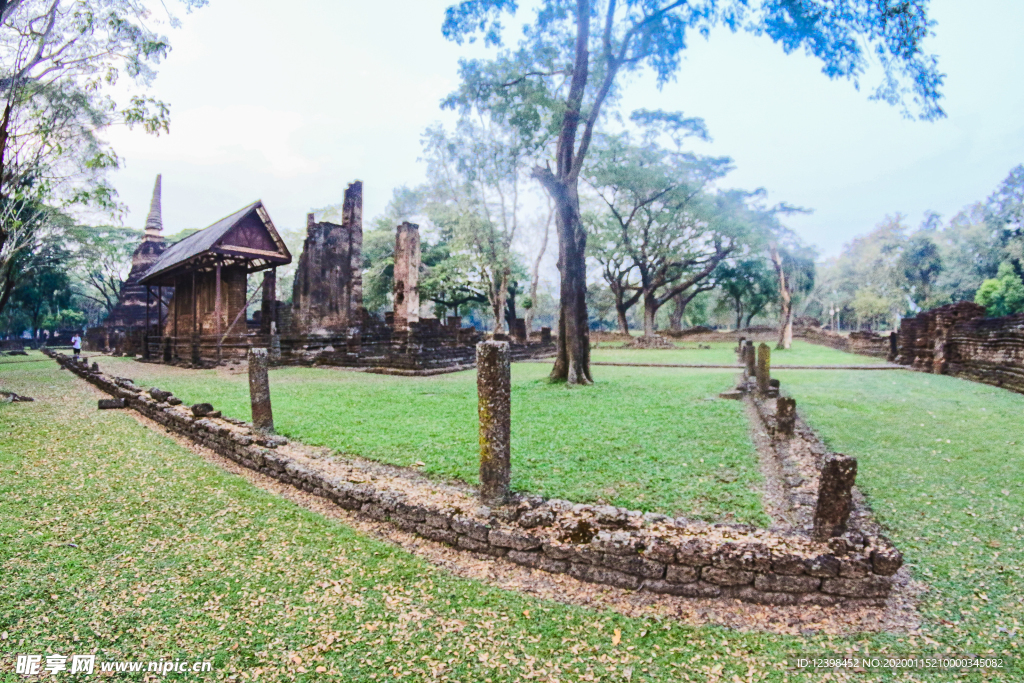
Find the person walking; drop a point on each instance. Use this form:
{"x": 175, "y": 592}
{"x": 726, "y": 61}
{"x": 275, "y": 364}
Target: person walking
{"x": 76, "y": 344}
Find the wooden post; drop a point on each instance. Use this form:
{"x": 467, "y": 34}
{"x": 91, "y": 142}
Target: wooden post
{"x": 259, "y": 392}
{"x": 494, "y": 394}
{"x": 177, "y": 288}
{"x": 145, "y": 333}
{"x": 160, "y": 309}
{"x": 763, "y": 371}
{"x": 216, "y": 310}
{"x": 835, "y": 497}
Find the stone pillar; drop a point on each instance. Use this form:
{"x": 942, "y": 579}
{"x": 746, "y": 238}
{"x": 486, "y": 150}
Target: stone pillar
{"x": 785, "y": 415}
{"x": 275, "y": 346}
{"x": 739, "y": 349}
{"x": 268, "y": 309}
{"x": 494, "y": 386}
{"x": 748, "y": 358}
{"x": 764, "y": 368}
{"x": 259, "y": 391}
{"x": 545, "y": 335}
{"x": 835, "y": 497}
{"x": 407, "y": 274}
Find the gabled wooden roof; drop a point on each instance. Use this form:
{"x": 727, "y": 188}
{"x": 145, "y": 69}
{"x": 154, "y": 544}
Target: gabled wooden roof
{"x": 247, "y": 237}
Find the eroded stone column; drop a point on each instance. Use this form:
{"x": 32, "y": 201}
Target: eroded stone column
{"x": 494, "y": 386}
{"x": 785, "y": 415}
{"x": 764, "y": 368}
{"x": 259, "y": 391}
{"x": 407, "y": 274}
{"x": 748, "y": 359}
{"x": 835, "y": 496}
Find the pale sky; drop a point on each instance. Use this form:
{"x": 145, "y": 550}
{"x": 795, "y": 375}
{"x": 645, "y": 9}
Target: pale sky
{"x": 288, "y": 103}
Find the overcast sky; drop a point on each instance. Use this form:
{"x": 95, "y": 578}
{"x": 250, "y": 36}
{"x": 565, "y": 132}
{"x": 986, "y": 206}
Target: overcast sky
{"x": 290, "y": 102}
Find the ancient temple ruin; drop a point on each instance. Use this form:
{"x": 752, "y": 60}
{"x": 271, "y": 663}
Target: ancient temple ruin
{"x": 190, "y": 299}
{"x": 123, "y": 326}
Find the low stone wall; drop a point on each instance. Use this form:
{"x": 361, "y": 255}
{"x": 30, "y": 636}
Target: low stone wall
{"x": 863, "y": 343}
{"x": 594, "y": 543}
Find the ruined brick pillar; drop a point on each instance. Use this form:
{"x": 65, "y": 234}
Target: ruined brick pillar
{"x": 494, "y": 393}
{"x": 259, "y": 391}
{"x": 739, "y": 348}
{"x": 764, "y": 368}
{"x": 785, "y": 415}
{"x": 835, "y": 496}
{"x": 545, "y": 335}
{"x": 748, "y": 359}
{"x": 407, "y": 275}
{"x": 268, "y": 309}
{"x": 327, "y": 293}
{"x": 519, "y": 330}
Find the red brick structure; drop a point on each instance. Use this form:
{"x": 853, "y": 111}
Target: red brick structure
{"x": 959, "y": 340}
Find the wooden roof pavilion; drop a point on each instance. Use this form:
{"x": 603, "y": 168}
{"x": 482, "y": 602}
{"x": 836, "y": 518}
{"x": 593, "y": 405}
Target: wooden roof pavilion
{"x": 247, "y": 237}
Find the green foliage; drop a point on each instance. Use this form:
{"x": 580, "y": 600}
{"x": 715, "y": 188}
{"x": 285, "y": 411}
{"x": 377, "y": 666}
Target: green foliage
{"x": 101, "y": 258}
{"x": 749, "y": 285}
{"x": 1002, "y": 295}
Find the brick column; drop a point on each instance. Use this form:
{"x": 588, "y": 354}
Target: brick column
{"x": 407, "y": 273}
{"x": 259, "y": 391}
{"x": 493, "y": 385}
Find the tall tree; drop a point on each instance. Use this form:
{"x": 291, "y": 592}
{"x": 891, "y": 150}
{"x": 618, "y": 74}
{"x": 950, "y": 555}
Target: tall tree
{"x": 659, "y": 221}
{"x": 101, "y": 261}
{"x": 60, "y": 61}
{"x": 531, "y": 304}
{"x": 749, "y": 284}
{"x": 475, "y": 197}
{"x": 794, "y": 268}
{"x": 569, "y": 64}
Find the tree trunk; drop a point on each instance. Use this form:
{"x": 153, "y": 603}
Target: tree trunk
{"x": 623, "y": 323}
{"x": 650, "y": 314}
{"x": 535, "y": 274}
{"x": 573, "y": 361}
{"x": 675, "y": 318}
{"x": 785, "y": 303}
{"x": 739, "y": 316}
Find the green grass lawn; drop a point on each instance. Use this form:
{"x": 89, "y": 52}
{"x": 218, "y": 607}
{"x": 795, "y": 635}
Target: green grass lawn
{"x": 802, "y": 353}
{"x": 116, "y": 541}
{"x": 942, "y": 462}
{"x": 640, "y": 438}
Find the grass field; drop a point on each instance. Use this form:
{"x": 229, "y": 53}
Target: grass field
{"x": 942, "y": 461}
{"x": 641, "y": 438}
{"x": 802, "y": 353}
{"x": 115, "y": 540}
